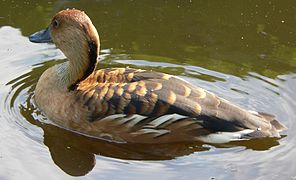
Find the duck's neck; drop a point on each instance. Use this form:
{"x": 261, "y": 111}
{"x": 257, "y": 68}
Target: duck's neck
{"x": 81, "y": 63}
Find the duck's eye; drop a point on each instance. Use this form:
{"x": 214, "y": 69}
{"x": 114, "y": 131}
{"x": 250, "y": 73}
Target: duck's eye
{"x": 55, "y": 23}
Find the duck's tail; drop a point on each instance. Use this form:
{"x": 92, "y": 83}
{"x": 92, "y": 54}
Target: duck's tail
{"x": 233, "y": 123}
{"x": 275, "y": 123}
{"x": 275, "y": 127}
{"x": 273, "y": 130}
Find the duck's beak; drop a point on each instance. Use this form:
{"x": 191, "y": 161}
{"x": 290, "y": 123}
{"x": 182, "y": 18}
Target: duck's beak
{"x": 42, "y": 36}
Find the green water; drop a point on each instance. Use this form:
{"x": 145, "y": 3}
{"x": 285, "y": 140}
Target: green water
{"x": 258, "y": 36}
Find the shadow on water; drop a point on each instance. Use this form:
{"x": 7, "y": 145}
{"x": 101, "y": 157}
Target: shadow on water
{"x": 75, "y": 153}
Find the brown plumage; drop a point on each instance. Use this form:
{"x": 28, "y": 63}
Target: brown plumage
{"x": 132, "y": 105}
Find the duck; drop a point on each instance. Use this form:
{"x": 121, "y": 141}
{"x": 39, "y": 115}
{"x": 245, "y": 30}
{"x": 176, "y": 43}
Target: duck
{"x": 133, "y": 105}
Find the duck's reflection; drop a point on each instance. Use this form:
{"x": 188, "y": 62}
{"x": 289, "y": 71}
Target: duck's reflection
{"x": 75, "y": 154}
{"x": 72, "y": 160}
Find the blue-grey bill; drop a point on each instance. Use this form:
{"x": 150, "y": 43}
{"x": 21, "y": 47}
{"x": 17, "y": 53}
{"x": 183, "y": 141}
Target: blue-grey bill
{"x": 42, "y": 36}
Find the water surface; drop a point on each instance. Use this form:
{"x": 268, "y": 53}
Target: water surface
{"x": 244, "y": 51}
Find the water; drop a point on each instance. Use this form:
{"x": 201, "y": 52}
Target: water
{"x": 243, "y": 51}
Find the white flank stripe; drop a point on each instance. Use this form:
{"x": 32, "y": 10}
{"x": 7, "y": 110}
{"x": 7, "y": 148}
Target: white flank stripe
{"x": 224, "y": 137}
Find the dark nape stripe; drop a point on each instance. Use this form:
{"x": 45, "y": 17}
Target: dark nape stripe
{"x": 92, "y": 56}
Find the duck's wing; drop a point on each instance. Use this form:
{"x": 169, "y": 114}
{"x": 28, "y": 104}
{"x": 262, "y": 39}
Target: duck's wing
{"x": 152, "y": 94}
{"x": 147, "y": 93}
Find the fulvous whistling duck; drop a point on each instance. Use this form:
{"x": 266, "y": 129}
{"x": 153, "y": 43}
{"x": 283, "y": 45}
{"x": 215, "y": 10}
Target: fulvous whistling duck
{"x": 133, "y": 105}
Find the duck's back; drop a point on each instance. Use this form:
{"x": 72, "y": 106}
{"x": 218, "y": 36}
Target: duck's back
{"x": 145, "y": 106}
{"x": 148, "y": 93}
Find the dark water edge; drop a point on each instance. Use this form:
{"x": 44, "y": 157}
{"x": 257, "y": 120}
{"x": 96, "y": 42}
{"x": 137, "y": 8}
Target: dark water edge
{"x": 240, "y": 50}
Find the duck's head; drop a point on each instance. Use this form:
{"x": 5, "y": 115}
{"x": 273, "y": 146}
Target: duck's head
{"x": 71, "y": 31}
